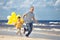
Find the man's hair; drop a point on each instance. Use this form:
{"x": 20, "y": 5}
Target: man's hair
{"x": 32, "y": 7}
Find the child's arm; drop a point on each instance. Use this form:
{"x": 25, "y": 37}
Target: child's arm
{"x": 21, "y": 21}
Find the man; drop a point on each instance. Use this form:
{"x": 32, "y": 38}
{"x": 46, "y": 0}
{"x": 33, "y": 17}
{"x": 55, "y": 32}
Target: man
{"x": 29, "y": 21}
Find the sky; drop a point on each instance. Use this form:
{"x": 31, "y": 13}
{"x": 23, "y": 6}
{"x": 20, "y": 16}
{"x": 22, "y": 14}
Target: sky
{"x": 44, "y": 9}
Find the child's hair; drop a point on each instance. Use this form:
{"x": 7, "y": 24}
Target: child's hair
{"x": 19, "y": 17}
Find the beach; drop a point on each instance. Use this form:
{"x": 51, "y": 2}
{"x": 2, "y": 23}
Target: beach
{"x": 6, "y": 37}
{"x": 9, "y": 33}
{"x": 41, "y": 18}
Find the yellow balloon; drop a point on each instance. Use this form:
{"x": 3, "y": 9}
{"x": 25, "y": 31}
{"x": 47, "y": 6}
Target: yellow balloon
{"x": 13, "y": 14}
{"x": 9, "y": 22}
{"x": 13, "y": 18}
{"x": 8, "y": 17}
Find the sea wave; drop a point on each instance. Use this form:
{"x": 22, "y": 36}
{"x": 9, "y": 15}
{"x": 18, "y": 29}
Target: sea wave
{"x": 54, "y": 22}
{"x": 52, "y": 29}
{"x": 36, "y": 24}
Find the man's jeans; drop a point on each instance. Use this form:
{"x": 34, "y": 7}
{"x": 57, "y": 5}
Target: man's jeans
{"x": 29, "y": 28}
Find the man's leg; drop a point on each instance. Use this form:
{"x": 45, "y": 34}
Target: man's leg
{"x": 24, "y": 30}
{"x": 29, "y": 26}
{"x": 20, "y": 31}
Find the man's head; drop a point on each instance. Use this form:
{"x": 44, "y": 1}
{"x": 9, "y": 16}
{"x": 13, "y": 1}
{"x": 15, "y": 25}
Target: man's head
{"x": 32, "y": 9}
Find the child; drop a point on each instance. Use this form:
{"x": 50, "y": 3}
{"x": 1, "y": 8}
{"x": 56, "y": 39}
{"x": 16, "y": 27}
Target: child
{"x": 18, "y": 25}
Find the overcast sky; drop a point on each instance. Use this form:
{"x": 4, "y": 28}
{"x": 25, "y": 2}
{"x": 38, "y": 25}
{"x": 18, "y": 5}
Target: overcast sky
{"x": 44, "y": 9}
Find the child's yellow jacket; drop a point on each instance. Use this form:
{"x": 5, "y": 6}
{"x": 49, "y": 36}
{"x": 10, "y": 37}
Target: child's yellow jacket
{"x": 19, "y": 23}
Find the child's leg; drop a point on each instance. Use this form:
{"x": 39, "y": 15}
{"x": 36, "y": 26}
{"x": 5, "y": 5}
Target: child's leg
{"x": 18, "y": 31}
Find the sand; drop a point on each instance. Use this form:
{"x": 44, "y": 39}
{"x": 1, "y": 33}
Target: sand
{"x": 7, "y": 37}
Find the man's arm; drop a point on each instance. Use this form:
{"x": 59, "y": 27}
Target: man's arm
{"x": 35, "y": 20}
{"x": 24, "y": 15}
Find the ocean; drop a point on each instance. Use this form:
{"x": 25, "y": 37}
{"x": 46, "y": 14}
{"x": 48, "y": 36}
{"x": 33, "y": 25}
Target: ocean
{"x": 41, "y": 23}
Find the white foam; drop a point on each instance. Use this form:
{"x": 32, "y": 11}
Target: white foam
{"x": 35, "y": 24}
{"x": 9, "y": 24}
{"x": 39, "y": 24}
{"x": 54, "y": 25}
{"x": 53, "y": 29}
{"x": 54, "y": 22}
